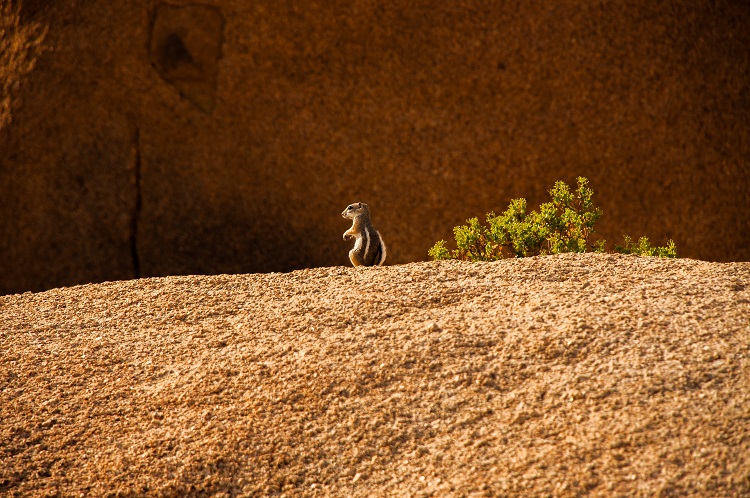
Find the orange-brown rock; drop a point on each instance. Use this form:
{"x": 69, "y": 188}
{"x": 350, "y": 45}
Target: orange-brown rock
{"x": 143, "y": 138}
{"x": 185, "y": 49}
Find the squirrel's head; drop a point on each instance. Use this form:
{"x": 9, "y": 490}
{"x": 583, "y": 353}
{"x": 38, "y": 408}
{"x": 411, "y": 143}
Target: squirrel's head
{"x": 354, "y": 210}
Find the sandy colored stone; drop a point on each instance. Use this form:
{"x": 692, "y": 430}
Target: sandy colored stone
{"x": 144, "y": 142}
{"x": 562, "y": 375}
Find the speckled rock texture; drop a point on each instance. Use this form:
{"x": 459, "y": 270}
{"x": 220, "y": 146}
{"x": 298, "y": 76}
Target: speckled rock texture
{"x": 562, "y": 375}
{"x": 142, "y": 138}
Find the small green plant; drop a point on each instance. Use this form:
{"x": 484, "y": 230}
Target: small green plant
{"x": 563, "y": 225}
{"x": 644, "y": 248}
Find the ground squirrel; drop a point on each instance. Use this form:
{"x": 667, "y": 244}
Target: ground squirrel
{"x": 369, "y": 248}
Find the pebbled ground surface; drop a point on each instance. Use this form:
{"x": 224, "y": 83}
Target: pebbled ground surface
{"x": 562, "y": 375}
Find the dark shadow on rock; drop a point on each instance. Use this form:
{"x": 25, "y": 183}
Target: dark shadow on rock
{"x": 185, "y": 49}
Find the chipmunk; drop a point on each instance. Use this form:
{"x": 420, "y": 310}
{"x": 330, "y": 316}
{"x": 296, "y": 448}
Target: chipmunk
{"x": 369, "y": 248}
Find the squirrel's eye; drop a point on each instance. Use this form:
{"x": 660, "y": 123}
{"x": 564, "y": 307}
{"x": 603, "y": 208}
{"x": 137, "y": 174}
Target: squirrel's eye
{"x": 349, "y": 208}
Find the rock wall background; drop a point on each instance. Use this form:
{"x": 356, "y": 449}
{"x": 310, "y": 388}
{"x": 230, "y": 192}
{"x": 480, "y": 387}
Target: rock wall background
{"x": 140, "y": 138}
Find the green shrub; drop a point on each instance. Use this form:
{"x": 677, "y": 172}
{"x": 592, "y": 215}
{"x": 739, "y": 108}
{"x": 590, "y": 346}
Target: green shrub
{"x": 563, "y": 225}
{"x": 644, "y": 248}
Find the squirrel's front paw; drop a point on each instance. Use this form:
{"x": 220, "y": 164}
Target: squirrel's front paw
{"x": 346, "y": 236}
